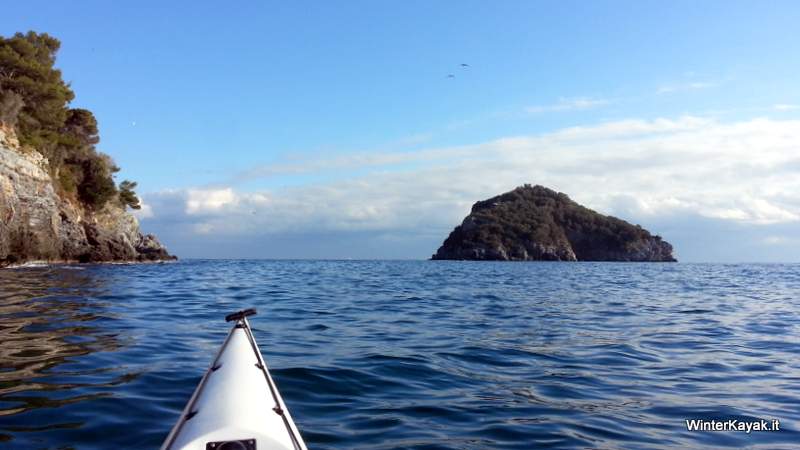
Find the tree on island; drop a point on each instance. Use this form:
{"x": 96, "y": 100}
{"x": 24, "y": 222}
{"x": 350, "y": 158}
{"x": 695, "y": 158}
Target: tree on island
{"x": 127, "y": 196}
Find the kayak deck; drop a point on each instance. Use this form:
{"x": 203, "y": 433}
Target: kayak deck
{"x": 236, "y": 405}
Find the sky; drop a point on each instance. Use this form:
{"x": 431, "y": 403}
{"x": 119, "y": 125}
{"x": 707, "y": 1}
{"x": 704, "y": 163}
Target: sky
{"x": 333, "y": 129}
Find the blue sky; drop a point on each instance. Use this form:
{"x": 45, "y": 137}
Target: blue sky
{"x": 331, "y": 129}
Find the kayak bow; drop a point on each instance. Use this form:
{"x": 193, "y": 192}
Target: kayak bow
{"x": 236, "y": 406}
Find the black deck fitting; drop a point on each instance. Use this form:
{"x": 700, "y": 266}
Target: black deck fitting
{"x": 239, "y": 315}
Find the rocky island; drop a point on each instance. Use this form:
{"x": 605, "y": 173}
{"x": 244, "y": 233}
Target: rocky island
{"x": 534, "y": 223}
{"x": 59, "y": 201}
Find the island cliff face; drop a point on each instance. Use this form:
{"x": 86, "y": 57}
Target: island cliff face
{"x": 533, "y": 223}
{"x": 38, "y": 225}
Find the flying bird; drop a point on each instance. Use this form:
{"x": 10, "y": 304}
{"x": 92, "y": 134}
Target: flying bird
{"x": 450, "y": 75}
{"x": 465, "y": 65}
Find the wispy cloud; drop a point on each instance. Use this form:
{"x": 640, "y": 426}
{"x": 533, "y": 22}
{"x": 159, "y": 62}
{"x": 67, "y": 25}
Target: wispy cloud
{"x": 785, "y": 107}
{"x": 568, "y": 104}
{"x": 780, "y": 240}
{"x": 353, "y": 161}
{"x": 686, "y": 86}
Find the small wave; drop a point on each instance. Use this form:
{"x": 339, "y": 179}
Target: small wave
{"x": 29, "y": 265}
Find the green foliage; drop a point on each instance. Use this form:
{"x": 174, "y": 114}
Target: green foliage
{"x": 27, "y": 68}
{"x": 96, "y": 186}
{"x": 127, "y": 196}
{"x": 81, "y": 126}
{"x": 35, "y": 99}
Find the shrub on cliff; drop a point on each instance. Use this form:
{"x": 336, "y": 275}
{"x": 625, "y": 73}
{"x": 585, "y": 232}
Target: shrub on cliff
{"x": 127, "y": 196}
{"x": 35, "y": 99}
{"x": 97, "y": 186}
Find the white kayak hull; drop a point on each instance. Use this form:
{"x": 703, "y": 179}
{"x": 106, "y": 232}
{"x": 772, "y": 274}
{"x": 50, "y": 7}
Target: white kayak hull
{"x": 236, "y": 405}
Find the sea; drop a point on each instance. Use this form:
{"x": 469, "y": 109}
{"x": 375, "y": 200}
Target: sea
{"x": 411, "y": 354}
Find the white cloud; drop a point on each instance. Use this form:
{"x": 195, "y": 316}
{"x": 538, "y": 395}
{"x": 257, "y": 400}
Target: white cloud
{"x": 785, "y": 107}
{"x": 743, "y": 172}
{"x": 625, "y": 129}
{"x": 568, "y": 104}
{"x": 200, "y": 201}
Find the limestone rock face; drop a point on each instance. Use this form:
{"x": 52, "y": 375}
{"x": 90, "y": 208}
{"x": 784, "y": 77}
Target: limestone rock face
{"x": 37, "y": 225}
{"x": 533, "y": 223}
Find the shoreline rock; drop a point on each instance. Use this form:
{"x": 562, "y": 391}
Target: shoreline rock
{"x": 38, "y": 225}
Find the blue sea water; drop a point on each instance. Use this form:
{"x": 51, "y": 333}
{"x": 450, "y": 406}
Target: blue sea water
{"x": 416, "y": 354}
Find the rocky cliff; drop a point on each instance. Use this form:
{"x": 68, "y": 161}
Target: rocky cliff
{"x": 533, "y": 223}
{"x": 38, "y": 225}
